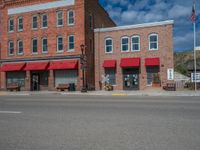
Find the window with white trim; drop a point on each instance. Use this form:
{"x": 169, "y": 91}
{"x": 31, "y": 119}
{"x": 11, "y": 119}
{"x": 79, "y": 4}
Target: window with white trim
{"x": 10, "y": 48}
{"x": 108, "y": 45}
{"x": 125, "y": 44}
{"x": 59, "y": 44}
{"x": 71, "y": 43}
{"x": 59, "y": 18}
{"x": 70, "y": 15}
{"x": 44, "y": 21}
{"x": 44, "y": 45}
{"x": 20, "y": 24}
{"x": 34, "y": 45}
{"x": 153, "y": 42}
{"x": 11, "y": 25}
{"x": 135, "y": 43}
{"x": 20, "y": 47}
{"x": 34, "y": 22}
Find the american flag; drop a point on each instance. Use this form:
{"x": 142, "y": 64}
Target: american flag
{"x": 193, "y": 17}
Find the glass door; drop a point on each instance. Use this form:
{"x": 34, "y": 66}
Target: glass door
{"x": 131, "y": 79}
{"x": 35, "y": 82}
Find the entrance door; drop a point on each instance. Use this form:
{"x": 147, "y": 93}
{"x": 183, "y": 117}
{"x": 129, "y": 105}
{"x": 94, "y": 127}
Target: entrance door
{"x": 35, "y": 82}
{"x": 131, "y": 79}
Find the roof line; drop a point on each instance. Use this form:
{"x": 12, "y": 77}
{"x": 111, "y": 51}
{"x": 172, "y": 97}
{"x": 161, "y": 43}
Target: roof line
{"x": 152, "y": 24}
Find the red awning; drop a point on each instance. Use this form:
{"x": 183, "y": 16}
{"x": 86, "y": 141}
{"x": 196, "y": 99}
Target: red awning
{"x": 35, "y": 66}
{"x": 152, "y": 62}
{"x": 13, "y": 67}
{"x": 109, "y": 63}
{"x": 61, "y": 65}
{"x": 130, "y": 62}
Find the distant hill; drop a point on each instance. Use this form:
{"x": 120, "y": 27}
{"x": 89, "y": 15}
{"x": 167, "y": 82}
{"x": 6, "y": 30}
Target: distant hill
{"x": 184, "y": 61}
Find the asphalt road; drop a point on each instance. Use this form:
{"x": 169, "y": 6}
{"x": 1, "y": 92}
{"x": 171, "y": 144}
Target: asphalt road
{"x": 54, "y": 122}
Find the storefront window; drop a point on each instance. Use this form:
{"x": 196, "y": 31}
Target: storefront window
{"x": 111, "y": 74}
{"x": 16, "y": 78}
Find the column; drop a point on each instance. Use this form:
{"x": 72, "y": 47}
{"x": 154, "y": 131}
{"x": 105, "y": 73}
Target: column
{"x": 3, "y": 80}
{"x": 28, "y": 81}
{"x": 51, "y": 81}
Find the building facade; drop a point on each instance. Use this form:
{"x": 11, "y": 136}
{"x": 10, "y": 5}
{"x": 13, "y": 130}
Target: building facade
{"x": 40, "y": 42}
{"x": 134, "y": 57}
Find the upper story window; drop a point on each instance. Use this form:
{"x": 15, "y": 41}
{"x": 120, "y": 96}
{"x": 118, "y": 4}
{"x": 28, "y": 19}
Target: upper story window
{"x": 71, "y": 43}
{"x": 70, "y": 17}
{"x": 20, "y": 24}
{"x": 60, "y": 18}
{"x": 10, "y": 48}
{"x": 59, "y": 43}
{"x": 91, "y": 21}
{"x": 44, "y": 21}
{"x": 153, "y": 42}
{"x": 34, "y": 45}
{"x": 20, "y": 47}
{"x": 11, "y": 25}
{"x": 108, "y": 45}
{"x": 125, "y": 44}
{"x": 44, "y": 45}
{"x": 135, "y": 43}
{"x": 34, "y": 22}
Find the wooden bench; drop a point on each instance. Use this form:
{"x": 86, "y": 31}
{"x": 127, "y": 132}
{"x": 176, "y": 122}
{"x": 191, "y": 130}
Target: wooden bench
{"x": 62, "y": 87}
{"x": 170, "y": 87}
{"x": 13, "y": 87}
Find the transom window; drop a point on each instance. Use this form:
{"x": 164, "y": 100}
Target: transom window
{"x": 71, "y": 42}
{"x": 59, "y": 43}
{"x": 44, "y": 45}
{"x": 108, "y": 45}
{"x": 60, "y": 18}
{"x": 153, "y": 42}
{"x": 34, "y": 45}
{"x": 34, "y": 22}
{"x": 11, "y": 48}
{"x": 20, "y": 24}
{"x": 44, "y": 21}
{"x": 135, "y": 43}
{"x": 70, "y": 17}
{"x": 125, "y": 44}
{"x": 11, "y": 25}
{"x": 20, "y": 47}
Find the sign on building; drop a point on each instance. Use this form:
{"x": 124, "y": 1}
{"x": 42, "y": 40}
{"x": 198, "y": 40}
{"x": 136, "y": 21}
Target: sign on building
{"x": 197, "y": 48}
{"x": 170, "y": 74}
{"x": 197, "y": 77}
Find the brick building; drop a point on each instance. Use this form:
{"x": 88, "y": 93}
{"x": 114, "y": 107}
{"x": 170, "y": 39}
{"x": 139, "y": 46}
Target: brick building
{"x": 134, "y": 57}
{"x": 40, "y": 41}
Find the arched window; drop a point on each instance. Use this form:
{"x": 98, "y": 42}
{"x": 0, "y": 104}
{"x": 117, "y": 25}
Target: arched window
{"x": 70, "y": 15}
{"x": 108, "y": 45}
{"x": 125, "y": 44}
{"x": 153, "y": 41}
{"x": 135, "y": 43}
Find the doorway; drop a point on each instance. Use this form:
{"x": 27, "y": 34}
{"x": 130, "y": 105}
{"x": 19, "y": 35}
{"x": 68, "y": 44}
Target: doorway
{"x": 35, "y": 82}
{"x": 131, "y": 79}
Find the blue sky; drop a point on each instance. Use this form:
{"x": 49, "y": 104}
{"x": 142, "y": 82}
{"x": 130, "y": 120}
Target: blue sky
{"x": 127, "y": 12}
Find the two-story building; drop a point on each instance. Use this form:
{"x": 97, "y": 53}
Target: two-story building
{"x": 134, "y": 57}
{"x": 40, "y": 41}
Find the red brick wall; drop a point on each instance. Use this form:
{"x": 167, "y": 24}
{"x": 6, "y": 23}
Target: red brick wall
{"x": 165, "y": 52}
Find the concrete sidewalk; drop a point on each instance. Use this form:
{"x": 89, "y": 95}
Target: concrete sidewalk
{"x": 106, "y": 93}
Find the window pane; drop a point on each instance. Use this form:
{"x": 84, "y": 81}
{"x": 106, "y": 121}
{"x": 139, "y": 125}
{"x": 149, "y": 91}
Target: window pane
{"x": 71, "y": 42}
{"x": 20, "y": 24}
{"x": 44, "y": 45}
{"x": 135, "y": 40}
{"x": 70, "y": 17}
{"x": 20, "y": 47}
{"x": 60, "y": 44}
{"x": 11, "y": 24}
{"x": 125, "y": 41}
{"x": 44, "y": 21}
{"x": 59, "y": 18}
{"x": 34, "y": 46}
{"x": 108, "y": 42}
{"x": 34, "y": 22}
{"x": 153, "y": 46}
{"x": 153, "y": 38}
{"x": 11, "y": 47}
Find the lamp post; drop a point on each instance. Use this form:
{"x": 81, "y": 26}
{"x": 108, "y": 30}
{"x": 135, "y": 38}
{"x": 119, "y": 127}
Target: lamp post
{"x": 83, "y": 67}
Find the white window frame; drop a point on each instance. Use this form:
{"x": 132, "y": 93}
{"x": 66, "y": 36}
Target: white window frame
{"x": 57, "y": 19}
{"x": 18, "y": 24}
{"x": 10, "y": 48}
{"x": 135, "y": 36}
{"x": 42, "y": 21}
{"x": 71, "y": 50}
{"x": 68, "y": 18}
{"x": 18, "y": 53}
{"x": 58, "y": 43}
{"x": 32, "y": 22}
{"x": 153, "y": 49}
{"x": 32, "y": 45}
{"x": 11, "y": 18}
{"x": 109, "y": 38}
{"x": 44, "y": 38}
{"x": 124, "y": 37}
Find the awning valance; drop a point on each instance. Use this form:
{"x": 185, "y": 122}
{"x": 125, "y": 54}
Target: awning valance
{"x": 36, "y": 66}
{"x": 109, "y": 63}
{"x": 13, "y": 67}
{"x": 130, "y": 62}
{"x": 61, "y": 65}
{"x": 152, "y": 62}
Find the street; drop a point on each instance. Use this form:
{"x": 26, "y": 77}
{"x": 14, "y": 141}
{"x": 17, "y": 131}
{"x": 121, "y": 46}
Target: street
{"x": 58, "y": 122}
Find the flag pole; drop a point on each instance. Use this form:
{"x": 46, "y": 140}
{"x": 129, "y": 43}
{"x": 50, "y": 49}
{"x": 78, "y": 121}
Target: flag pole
{"x": 195, "y": 65}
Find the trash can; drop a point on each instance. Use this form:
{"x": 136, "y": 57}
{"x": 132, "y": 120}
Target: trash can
{"x": 72, "y": 87}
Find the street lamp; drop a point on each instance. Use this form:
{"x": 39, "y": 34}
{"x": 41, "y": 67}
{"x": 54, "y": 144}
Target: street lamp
{"x": 83, "y": 67}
